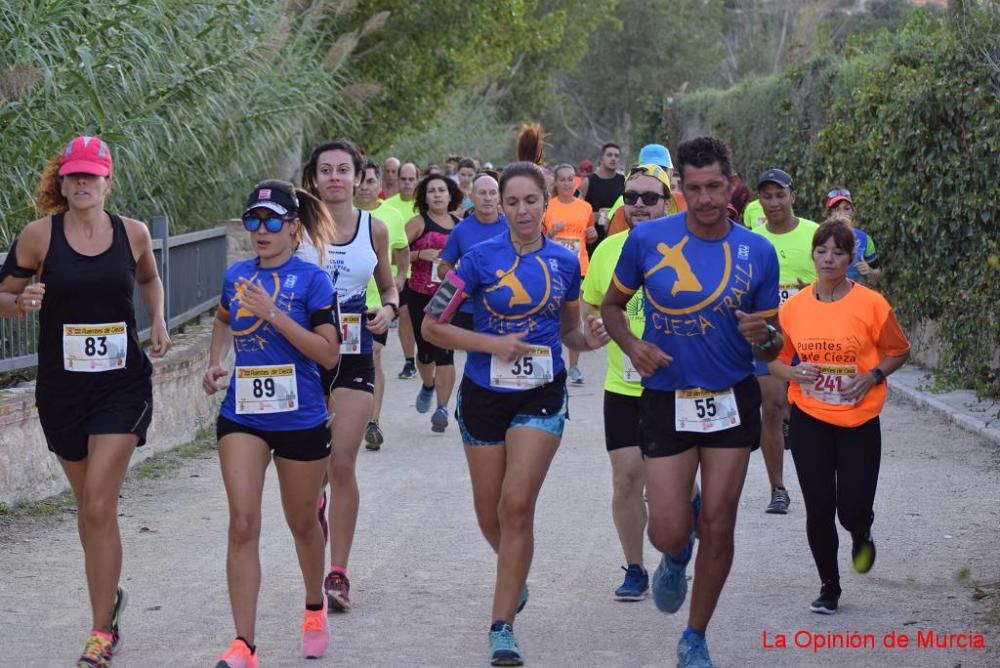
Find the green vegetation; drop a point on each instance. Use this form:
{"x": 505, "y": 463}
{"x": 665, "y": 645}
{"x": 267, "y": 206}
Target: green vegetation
{"x": 908, "y": 122}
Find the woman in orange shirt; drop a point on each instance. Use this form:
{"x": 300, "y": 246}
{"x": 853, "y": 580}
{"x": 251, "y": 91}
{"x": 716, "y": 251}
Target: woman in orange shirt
{"x": 848, "y": 341}
{"x": 569, "y": 221}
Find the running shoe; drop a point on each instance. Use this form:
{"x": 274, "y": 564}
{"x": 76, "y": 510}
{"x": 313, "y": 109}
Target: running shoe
{"x": 238, "y": 656}
{"x": 635, "y": 586}
{"x": 408, "y": 372}
{"x": 97, "y": 651}
{"x": 524, "y": 599}
{"x": 439, "y": 421}
{"x": 338, "y": 592}
{"x": 779, "y": 502}
{"x": 692, "y": 652}
{"x": 121, "y": 600}
{"x": 575, "y": 375}
{"x": 321, "y": 512}
{"x": 315, "y": 633}
{"x": 669, "y": 583}
{"x": 829, "y": 597}
{"x": 373, "y": 436}
{"x": 504, "y": 650}
{"x": 863, "y": 552}
{"x": 424, "y": 399}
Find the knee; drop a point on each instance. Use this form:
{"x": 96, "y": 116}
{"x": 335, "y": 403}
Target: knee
{"x": 773, "y": 408}
{"x": 716, "y": 534}
{"x": 627, "y": 482}
{"x": 855, "y": 520}
{"x": 303, "y": 524}
{"x": 244, "y": 528}
{"x": 516, "y": 513}
{"x": 98, "y": 513}
{"x": 669, "y": 539}
{"x": 342, "y": 471}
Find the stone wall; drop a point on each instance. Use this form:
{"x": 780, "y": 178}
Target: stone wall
{"x": 28, "y": 471}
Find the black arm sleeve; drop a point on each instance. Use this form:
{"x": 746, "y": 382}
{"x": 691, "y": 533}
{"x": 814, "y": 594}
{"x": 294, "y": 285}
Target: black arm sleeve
{"x": 326, "y": 316}
{"x": 11, "y": 268}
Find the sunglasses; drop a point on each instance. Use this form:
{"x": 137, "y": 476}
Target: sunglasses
{"x": 272, "y": 224}
{"x": 648, "y": 198}
{"x": 838, "y": 192}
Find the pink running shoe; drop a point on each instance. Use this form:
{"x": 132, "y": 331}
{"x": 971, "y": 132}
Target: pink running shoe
{"x": 238, "y": 656}
{"x": 338, "y": 591}
{"x": 315, "y": 633}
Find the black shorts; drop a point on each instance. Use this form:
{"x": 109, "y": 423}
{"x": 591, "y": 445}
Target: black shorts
{"x": 660, "y": 437}
{"x": 301, "y": 445}
{"x": 354, "y": 372}
{"x": 484, "y": 415}
{"x": 67, "y": 427}
{"x": 427, "y": 352}
{"x": 382, "y": 338}
{"x": 621, "y": 421}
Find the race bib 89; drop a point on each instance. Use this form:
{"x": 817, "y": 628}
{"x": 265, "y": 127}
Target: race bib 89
{"x": 266, "y": 389}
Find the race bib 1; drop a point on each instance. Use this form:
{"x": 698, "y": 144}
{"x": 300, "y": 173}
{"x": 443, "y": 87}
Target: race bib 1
{"x": 571, "y": 244}
{"x": 703, "y": 411}
{"x": 629, "y": 374}
{"x": 532, "y": 370}
{"x": 785, "y": 291}
{"x": 266, "y": 389}
{"x": 95, "y": 348}
{"x": 829, "y": 387}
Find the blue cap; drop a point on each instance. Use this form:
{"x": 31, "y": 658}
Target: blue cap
{"x": 656, "y": 154}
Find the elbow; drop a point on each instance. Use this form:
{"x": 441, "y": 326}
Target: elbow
{"x": 431, "y": 332}
{"x": 329, "y": 359}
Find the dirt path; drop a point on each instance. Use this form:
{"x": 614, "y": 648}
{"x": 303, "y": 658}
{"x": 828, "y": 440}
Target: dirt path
{"x": 423, "y": 576}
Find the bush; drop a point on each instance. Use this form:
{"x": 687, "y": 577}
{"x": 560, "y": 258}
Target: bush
{"x": 197, "y": 99}
{"x": 910, "y": 125}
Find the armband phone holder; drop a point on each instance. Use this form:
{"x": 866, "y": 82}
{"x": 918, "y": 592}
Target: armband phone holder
{"x": 447, "y": 299}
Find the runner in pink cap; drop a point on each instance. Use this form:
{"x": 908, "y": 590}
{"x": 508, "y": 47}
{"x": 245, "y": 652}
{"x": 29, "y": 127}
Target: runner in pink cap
{"x": 86, "y": 155}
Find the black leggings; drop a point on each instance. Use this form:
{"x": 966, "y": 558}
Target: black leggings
{"x": 427, "y": 353}
{"x": 838, "y": 473}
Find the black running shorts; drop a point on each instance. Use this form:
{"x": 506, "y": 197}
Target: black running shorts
{"x": 621, "y": 421}
{"x": 68, "y": 426}
{"x": 353, "y": 372}
{"x": 660, "y": 437}
{"x": 301, "y": 445}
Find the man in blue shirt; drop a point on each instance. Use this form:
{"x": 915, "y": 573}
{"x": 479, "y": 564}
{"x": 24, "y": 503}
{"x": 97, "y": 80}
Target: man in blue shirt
{"x": 710, "y": 293}
{"x": 484, "y": 222}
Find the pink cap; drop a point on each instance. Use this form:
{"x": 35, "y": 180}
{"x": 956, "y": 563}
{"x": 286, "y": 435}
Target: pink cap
{"x": 86, "y": 155}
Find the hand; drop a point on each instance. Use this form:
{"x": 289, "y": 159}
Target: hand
{"x": 804, "y": 373}
{"x": 752, "y": 326}
{"x": 378, "y": 323}
{"x": 856, "y": 387}
{"x": 429, "y": 254}
{"x": 159, "y": 338}
{"x": 594, "y": 333}
{"x": 257, "y": 301}
{"x": 210, "y": 381}
{"x": 509, "y": 347}
{"x": 591, "y": 234}
{"x": 863, "y": 268}
{"x": 30, "y": 300}
{"x": 647, "y": 357}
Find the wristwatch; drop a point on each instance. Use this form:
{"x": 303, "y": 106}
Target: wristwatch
{"x": 395, "y": 309}
{"x": 879, "y": 375}
{"x": 772, "y": 337}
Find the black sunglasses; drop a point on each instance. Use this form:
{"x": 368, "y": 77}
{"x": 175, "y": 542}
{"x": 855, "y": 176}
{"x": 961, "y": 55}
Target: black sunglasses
{"x": 648, "y": 198}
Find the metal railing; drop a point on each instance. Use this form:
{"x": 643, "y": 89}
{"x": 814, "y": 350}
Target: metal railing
{"x": 191, "y": 271}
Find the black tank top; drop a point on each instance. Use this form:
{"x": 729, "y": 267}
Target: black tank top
{"x": 88, "y": 290}
{"x": 602, "y": 193}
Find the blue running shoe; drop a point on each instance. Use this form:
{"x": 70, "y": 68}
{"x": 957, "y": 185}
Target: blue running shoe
{"x": 424, "y": 398}
{"x": 670, "y": 583}
{"x": 504, "y": 650}
{"x": 439, "y": 420}
{"x": 635, "y": 586}
{"x": 692, "y": 652}
{"x": 524, "y": 599}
